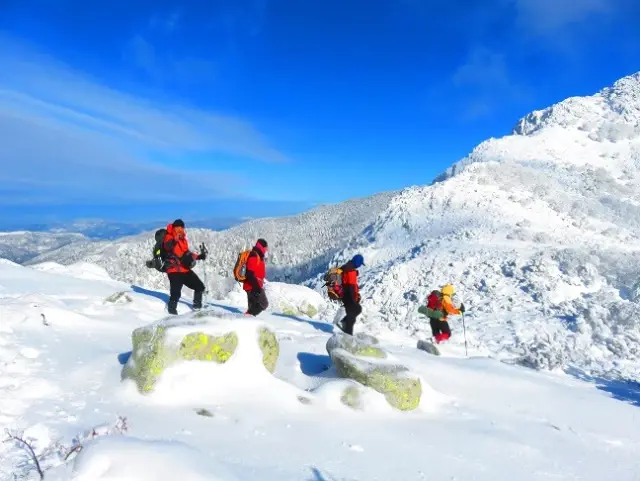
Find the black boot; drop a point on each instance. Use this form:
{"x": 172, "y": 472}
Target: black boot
{"x": 172, "y": 307}
{"x": 197, "y": 300}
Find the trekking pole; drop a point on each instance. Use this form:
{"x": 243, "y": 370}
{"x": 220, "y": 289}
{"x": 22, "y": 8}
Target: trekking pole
{"x": 464, "y": 330}
{"x": 203, "y": 248}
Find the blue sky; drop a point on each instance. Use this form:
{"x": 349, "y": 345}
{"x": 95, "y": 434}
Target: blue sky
{"x": 265, "y": 107}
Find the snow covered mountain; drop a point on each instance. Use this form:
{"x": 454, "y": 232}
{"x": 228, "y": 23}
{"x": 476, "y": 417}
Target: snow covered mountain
{"x": 540, "y": 232}
{"x": 299, "y": 246}
{"x": 21, "y": 246}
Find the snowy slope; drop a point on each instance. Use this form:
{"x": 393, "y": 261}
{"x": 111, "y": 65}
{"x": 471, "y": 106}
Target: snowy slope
{"x": 480, "y": 419}
{"x": 21, "y": 246}
{"x": 298, "y": 245}
{"x": 540, "y": 232}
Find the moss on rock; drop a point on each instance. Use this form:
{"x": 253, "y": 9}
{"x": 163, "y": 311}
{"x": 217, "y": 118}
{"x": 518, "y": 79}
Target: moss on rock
{"x": 401, "y": 389}
{"x": 358, "y": 346}
{"x": 149, "y": 358}
{"x": 270, "y": 348}
{"x": 352, "y": 397}
{"x": 311, "y": 311}
{"x": 198, "y": 346}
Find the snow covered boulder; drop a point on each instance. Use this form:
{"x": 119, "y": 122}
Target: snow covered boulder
{"x": 358, "y": 345}
{"x": 360, "y": 359}
{"x": 205, "y": 336}
{"x": 294, "y": 300}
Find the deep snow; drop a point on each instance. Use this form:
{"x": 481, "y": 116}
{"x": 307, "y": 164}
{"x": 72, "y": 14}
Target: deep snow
{"x": 480, "y": 418}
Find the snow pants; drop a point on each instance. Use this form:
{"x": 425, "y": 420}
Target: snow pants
{"x": 256, "y": 302}
{"x": 353, "y": 310}
{"x": 439, "y": 327}
{"x": 179, "y": 279}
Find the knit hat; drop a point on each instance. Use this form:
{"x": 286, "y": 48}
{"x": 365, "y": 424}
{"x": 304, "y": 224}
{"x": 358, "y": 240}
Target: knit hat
{"x": 263, "y": 243}
{"x": 357, "y": 260}
{"x": 178, "y": 223}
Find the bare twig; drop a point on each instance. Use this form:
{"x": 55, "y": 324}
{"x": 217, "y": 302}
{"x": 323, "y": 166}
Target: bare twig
{"x": 25, "y": 445}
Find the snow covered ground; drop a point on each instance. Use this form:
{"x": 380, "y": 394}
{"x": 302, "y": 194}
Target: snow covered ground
{"x": 62, "y": 347}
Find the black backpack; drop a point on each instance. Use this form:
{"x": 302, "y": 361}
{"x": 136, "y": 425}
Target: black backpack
{"x": 160, "y": 260}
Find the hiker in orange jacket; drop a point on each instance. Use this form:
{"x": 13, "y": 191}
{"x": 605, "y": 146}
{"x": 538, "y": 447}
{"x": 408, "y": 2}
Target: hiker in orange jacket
{"x": 254, "y": 281}
{"x": 181, "y": 260}
{"x": 439, "y": 307}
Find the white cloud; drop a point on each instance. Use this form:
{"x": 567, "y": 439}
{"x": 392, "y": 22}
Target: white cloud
{"x": 548, "y": 17}
{"x": 484, "y": 74}
{"x": 69, "y": 134}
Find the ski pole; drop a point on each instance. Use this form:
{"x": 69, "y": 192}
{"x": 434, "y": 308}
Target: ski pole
{"x": 464, "y": 330}
{"x": 203, "y": 248}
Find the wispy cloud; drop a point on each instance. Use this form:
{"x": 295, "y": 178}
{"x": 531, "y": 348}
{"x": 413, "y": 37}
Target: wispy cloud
{"x": 167, "y": 23}
{"x": 551, "y": 17}
{"x": 504, "y": 29}
{"x": 186, "y": 70}
{"x": 484, "y": 75}
{"x": 66, "y": 136}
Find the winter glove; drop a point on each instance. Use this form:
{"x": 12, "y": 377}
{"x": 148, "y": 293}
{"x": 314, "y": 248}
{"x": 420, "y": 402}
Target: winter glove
{"x": 462, "y": 309}
{"x": 202, "y": 256}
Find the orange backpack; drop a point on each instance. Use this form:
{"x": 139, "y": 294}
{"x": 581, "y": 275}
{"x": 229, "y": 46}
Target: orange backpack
{"x": 240, "y": 269}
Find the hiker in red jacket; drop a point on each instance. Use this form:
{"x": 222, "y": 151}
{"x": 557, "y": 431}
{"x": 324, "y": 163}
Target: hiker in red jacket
{"x": 181, "y": 260}
{"x": 351, "y": 293}
{"x": 254, "y": 282}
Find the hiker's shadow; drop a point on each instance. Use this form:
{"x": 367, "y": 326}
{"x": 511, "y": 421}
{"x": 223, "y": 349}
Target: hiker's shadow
{"x": 235, "y": 310}
{"x": 320, "y": 326}
{"x": 158, "y": 295}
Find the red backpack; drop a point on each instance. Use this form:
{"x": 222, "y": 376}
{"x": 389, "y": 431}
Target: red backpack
{"x": 434, "y": 305}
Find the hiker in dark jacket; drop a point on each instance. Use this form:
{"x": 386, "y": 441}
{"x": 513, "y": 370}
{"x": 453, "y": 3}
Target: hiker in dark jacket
{"x": 181, "y": 260}
{"x": 254, "y": 282}
{"x": 351, "y": 293}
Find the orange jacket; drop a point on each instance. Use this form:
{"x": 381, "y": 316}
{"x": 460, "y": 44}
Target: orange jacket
{"x": 449, "y": 308}
{"x": 178, "y": 247}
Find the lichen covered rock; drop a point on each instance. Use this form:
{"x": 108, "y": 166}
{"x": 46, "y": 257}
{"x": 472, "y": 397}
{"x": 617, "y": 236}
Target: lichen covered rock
{"x": 348, "y": 392}
{"x": 199, "y": 346}
{"x": 360, "y": 345}
{"x": 270, "y": 348}
{"x": 119, "y": 298}
{"x": 401, "y": 388}
{"x": 193, "y": 337}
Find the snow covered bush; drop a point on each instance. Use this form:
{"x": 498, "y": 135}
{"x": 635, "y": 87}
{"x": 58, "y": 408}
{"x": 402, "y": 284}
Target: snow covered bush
{"x": 545, "y": 352}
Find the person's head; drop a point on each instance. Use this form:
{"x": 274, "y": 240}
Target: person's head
{"x": 448, "y": 290}
{"x": 178, "y": 226}
{"x": 262, "y": 245}
{"x": 357, "y": 261}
